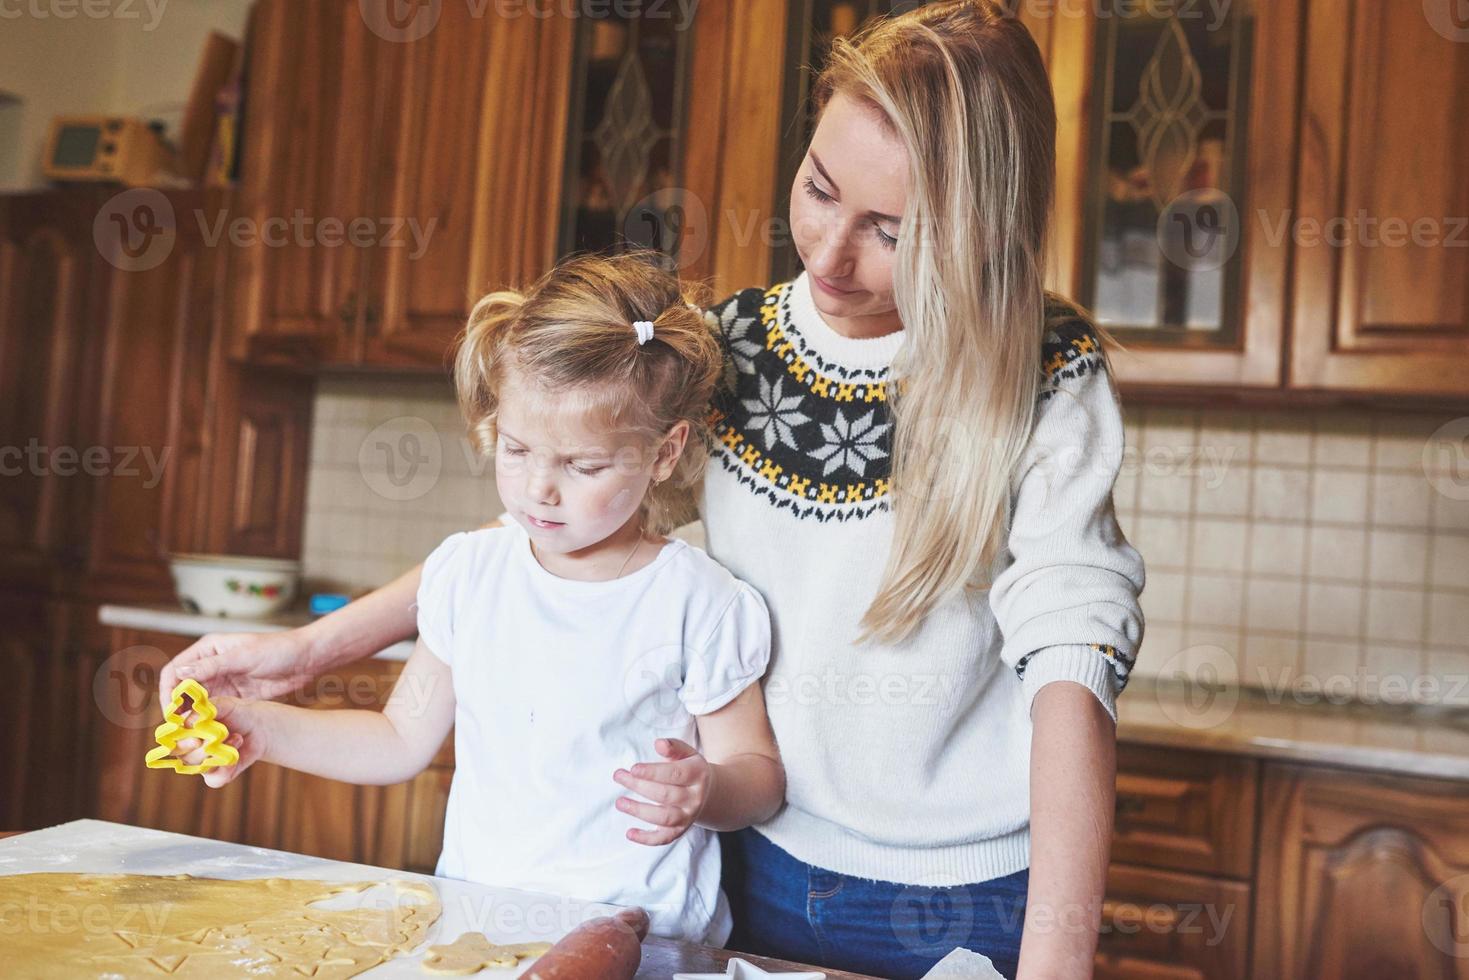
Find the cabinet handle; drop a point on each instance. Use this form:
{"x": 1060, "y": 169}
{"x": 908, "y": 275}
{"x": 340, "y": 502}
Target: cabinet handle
{"x": 348, "y": 312}
{"x": 1158, "y": 917}
{"x": 373, "y": 316}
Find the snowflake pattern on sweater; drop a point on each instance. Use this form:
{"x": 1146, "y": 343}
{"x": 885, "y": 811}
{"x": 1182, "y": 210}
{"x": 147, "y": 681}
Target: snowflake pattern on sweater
{"x": 815, "y": 436}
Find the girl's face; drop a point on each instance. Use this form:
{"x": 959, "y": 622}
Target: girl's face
{"x": 572, "y": 488}
{"x": 846, "y": 205}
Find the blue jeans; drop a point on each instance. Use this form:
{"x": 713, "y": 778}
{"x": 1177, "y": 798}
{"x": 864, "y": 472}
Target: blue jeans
{"x": 795, "y": 911}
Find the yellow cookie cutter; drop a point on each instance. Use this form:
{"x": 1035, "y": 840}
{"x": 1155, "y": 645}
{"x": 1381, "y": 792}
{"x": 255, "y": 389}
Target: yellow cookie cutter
{"x": 174, "y": 729}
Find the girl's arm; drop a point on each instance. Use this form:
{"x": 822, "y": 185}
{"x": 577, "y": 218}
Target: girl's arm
{"x": 1073, "y": 767}
{"x": 749, "y": 781}
{"x": 737, "y": 780}
{"x": 354, "y": 746}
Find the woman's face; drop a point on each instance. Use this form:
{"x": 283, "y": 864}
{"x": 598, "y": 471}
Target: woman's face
{"x": 846, "y": 206}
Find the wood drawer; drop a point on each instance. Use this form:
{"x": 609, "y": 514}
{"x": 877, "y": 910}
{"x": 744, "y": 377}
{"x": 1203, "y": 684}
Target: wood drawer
{"x": 1163, "y": 925}
{"x": 1185, "y": 811}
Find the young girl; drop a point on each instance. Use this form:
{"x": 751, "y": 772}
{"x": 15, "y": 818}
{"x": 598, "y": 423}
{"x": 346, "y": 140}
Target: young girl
{"x": 574, "y": 644}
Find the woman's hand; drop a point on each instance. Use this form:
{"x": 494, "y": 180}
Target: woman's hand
{"x": 246, "y": 722}
{"x": 679, "y": 788}
{"x": 258, "y": 666}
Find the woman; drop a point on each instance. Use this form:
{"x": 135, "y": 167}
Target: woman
{"x": 913, "y": 464}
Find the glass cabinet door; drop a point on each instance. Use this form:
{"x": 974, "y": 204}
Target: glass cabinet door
{"x": 628, "y": 130}
{"x": 1165, "y": 187}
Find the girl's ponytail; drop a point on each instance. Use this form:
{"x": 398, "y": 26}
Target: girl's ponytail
{"x": 477, "y": 360}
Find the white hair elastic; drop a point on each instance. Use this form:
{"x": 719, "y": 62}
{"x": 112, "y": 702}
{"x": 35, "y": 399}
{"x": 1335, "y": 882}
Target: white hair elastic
{"x": 644, "y": 329}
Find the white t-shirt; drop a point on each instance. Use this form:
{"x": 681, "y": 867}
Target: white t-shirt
{"x": 558, "y": 683}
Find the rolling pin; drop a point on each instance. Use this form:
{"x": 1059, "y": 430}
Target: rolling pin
{"x": 608, "y": 948}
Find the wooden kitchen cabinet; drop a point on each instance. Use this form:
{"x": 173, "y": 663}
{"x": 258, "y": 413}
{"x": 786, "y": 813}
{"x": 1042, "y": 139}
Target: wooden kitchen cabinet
{"x": 148, "y": 442}
{"x": 1183, "y": 852}
{"x": 1328, "y": 134}
{"x": 469, "y": 157}
{"x": 456, "y": 145}
{"x": 1228, "y": 867}
{"x": 444, "y": 150}
{"x": 1361, "y": 876}
{"x": 46, "y": 265}
{"x": 1199, "y": 142}
{"x": 257, "y": 482}
{"x": 1383, "y": 147}
{"x": 399, "y": 826}
{"x": 1163, "y": 925}
{"x": 314, "y": 79}
{"x": 1185, "y": 811}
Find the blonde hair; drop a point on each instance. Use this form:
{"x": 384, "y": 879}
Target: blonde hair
{"x": 570, "y": 337}
{"x": 961, "y": 84}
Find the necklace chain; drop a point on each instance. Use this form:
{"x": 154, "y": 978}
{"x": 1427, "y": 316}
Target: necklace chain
{"x": 636, "y": 544}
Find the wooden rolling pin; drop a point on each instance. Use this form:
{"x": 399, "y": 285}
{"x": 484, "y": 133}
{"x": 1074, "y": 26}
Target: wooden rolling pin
{"x": 608, "y": 948}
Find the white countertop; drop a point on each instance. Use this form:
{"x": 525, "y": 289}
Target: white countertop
{"x": 1417, "y": 739}
{"x": 181, "y": 622}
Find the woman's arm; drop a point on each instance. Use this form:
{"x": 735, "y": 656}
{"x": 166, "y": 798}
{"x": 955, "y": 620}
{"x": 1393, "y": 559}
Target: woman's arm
{"x": 1073, "y": 771}
{"x": 368, "y": 747}
{"x": 264, "y": 666}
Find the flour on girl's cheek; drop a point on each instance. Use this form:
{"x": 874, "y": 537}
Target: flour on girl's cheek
{"x": 619, "y": 501}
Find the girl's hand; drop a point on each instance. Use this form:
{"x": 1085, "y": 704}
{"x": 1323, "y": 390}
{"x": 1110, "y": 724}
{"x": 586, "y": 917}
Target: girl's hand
{"x": 679, "y": 789}
{"x": 247, "y": 735}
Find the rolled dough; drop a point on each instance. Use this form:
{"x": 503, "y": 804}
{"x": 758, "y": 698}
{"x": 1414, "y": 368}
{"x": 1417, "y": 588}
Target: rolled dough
{"x": 179, "y": 926}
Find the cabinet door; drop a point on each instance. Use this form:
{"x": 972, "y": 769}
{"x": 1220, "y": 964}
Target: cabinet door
{"x": 1162, "y": 925}
{"x": 259, "y": 468}
{"x": 152, "y": 339}
{"x": 1185, "y": 811}
{"x": 303, "y": 216}
{"x": 736, "y": 143}
{"x": 1382, "y": 226}
{"x": 1174, "y": 131}
{"x": 1361, "y": 875}
{"x": 471, "y": 149}
{"x": 46, "y": 264}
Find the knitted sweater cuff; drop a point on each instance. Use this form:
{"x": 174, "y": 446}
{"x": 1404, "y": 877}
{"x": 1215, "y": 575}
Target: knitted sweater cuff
{"x": 1071, "y": 662}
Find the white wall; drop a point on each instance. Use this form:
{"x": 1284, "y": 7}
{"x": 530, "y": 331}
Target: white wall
{"x": 119, "y": 57}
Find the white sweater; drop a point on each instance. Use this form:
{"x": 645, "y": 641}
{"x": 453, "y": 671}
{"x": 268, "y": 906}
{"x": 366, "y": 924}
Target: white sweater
{"x": 910, "y": 763}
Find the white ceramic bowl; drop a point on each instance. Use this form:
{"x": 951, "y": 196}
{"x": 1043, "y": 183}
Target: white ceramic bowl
{"x": 235, "y": 585}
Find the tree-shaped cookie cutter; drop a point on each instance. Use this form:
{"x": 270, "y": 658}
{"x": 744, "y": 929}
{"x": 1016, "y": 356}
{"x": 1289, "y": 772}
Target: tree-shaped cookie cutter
{"x": 175, "y": 729}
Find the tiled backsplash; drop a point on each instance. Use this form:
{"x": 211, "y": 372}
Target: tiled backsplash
{"x": 1312, "y": 551}
{"x": 1283, "y": 549}
{"x": 391, "y": 476}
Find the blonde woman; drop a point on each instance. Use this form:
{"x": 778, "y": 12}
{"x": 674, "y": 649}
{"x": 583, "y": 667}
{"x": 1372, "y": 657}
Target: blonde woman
{"x": 912, "y": 461}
